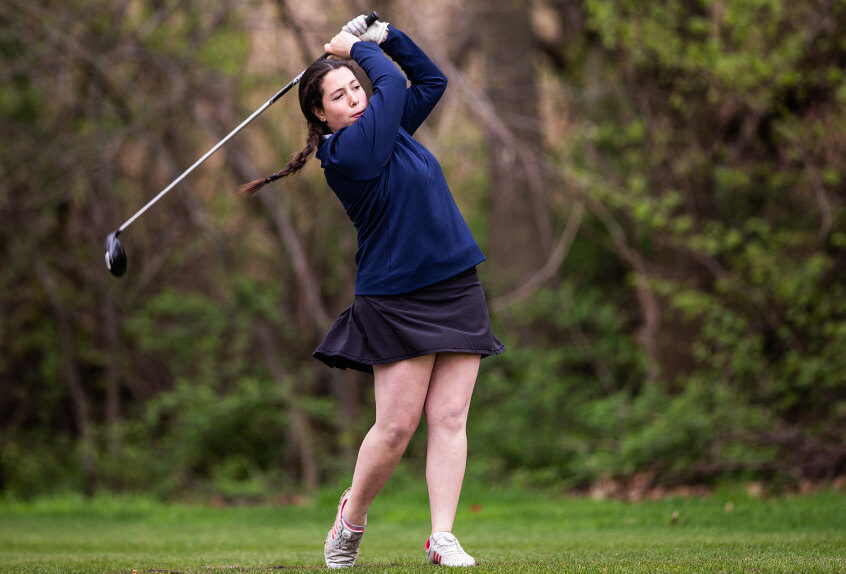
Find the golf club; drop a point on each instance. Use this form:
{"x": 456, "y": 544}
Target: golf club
{"x": 115, "y": 254}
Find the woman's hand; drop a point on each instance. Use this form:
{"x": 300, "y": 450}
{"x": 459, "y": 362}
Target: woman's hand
{"x": 377, "y": 32}
{"x": 340, "y": 45}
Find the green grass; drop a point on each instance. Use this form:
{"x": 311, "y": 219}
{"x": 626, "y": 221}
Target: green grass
{"x": 509, "y": 531}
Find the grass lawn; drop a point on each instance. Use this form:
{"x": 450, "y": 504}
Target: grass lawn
{"x": 506, "y": 530}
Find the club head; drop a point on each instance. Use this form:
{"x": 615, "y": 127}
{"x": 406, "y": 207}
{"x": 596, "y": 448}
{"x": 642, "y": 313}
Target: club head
{"x": 115, "y": 255}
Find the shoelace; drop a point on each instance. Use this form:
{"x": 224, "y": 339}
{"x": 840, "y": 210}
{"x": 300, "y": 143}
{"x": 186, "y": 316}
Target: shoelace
{"x": 450, "y": 546}
{"x": 345, "y": 540}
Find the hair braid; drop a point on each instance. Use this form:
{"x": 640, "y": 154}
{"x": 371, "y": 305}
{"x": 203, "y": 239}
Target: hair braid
{"x": 311, "y": 94}
{"x": 315, "y": 132}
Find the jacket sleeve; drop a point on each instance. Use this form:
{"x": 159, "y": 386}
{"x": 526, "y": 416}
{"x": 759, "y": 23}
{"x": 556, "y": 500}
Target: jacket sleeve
{"x": 427, "y": 81}
{"x": 361, "y": 150}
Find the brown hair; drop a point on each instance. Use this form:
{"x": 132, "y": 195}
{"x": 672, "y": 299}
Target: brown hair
{"x": 311, "y": 96}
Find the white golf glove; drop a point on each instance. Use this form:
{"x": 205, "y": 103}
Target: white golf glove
{"x": 358, "y": 27}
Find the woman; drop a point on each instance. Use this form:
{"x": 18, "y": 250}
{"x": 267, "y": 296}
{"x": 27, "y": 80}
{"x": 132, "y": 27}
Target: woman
{"x": 419, "y": 321}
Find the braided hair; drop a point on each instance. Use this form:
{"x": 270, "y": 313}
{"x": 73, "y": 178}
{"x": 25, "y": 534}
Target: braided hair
{"x": 311, "y": 96}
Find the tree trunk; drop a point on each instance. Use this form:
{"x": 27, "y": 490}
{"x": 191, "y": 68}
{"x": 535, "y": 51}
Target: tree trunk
{"x": 519, "y": 234}
{"x": 82, "y": 416}
{"x": 299, "y": 428}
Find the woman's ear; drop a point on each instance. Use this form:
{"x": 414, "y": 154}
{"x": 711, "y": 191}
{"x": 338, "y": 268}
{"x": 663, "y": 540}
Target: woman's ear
{"x": 319, "y": 114}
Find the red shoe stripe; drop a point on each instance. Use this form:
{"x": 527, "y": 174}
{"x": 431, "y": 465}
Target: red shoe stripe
{"x": 352, "y": 526}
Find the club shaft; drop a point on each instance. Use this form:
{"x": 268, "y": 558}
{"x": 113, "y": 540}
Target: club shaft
{"x": 370, "y": 19}
{"x": 208, "y": 154}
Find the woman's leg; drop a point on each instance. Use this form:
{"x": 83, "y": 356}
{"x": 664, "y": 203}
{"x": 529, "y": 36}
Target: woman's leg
{"x": 447, "y": 404}
{"x": 400, "y": 390}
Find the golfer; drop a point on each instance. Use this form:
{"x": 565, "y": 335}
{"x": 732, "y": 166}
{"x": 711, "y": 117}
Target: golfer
{"x": 419, "y": 321}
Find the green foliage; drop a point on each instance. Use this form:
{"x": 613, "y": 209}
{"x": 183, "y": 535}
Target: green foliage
{"x": 224, "y": 425}
{"x": 697, "y": 328}
{"x": 577, "y": 410}
{"x": 717, "y": 161}
{"x": 196, "y": 436}
{"x": 33, "y": 463}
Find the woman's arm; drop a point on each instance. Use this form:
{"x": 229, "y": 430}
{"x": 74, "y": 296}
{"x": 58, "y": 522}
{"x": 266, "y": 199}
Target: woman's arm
{"x": 427, "y": 81}
{"x": 361, "y": 150}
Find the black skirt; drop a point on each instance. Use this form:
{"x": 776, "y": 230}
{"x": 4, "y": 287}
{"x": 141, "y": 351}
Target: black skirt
{"x": 450, "y": 315}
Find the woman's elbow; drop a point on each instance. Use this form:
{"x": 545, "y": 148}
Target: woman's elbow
{"x": 441, "y": 84}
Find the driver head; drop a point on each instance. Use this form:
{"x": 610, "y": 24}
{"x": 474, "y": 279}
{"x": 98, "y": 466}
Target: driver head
{"x": 115, "y": 255}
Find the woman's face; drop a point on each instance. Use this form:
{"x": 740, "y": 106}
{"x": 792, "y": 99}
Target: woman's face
{"x": 344, "y": 100}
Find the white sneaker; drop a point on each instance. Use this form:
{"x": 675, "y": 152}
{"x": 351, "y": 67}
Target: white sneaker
{"x": 341, "y": 547}
{"x": 443, "y": 548}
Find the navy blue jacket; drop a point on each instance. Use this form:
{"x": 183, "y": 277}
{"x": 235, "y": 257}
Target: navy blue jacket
{"x": 410, "y": 232}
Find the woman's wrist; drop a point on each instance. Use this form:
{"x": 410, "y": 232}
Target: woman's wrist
{"x": 388, "y": 29}
{"x": 364, "y": 46}
{"x": 341, "y": 45}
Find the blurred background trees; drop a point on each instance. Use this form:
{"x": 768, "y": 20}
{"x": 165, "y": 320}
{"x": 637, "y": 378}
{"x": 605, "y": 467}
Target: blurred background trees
{"x": 658, "y": 188}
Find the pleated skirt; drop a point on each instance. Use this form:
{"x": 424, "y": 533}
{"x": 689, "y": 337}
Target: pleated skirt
{"x": 448, "y": 316}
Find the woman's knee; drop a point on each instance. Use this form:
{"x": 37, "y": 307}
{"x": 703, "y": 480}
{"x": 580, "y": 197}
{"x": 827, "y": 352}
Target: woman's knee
{"x": 400, "y": 390}
{"x": 397, "y": 431}
{"x": 450, "y": 416}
